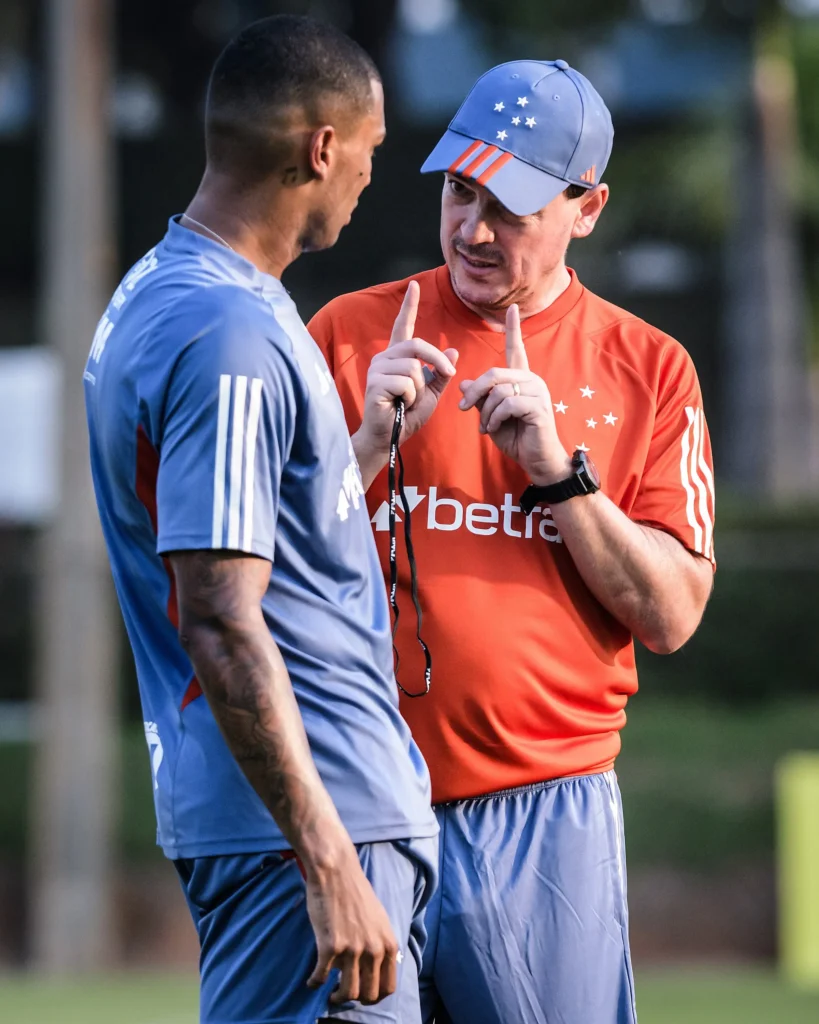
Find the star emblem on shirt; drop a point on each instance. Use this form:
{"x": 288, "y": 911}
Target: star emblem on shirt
{"x": 499, "y": 106}
{"x": 502, "y": 135}
{"x": 610, "y": 418}
{"x": 530, "y": 122}
{"x": 583, "y": 448}
{"x": 592, "y": 423}
{"x": 522, "y": 101}
{"x": 516, "y": 120}
{"x": 561, "y": 407}
{"x": 586, "y": 392}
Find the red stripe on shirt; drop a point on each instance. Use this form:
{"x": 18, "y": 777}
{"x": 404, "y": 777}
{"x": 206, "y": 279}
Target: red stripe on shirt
{"x": 147, "y": 471}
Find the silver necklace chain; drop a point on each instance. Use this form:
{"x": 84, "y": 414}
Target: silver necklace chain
{"x": 210, "y": 231}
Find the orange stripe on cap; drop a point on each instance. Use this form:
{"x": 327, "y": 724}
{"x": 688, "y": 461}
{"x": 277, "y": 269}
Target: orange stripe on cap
{"x": 467, "y": 153}
{"x": 469, "y": 170}
{"x": 494, "y": 167}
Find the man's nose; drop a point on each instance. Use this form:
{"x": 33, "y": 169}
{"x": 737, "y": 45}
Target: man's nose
{"x": 475, "y": 230}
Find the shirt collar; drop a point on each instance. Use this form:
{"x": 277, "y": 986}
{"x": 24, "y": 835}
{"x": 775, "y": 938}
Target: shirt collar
{"x": 182, "y": 241}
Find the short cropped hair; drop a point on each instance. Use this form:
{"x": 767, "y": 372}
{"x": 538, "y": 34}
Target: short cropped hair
{"x": 274, "y": 67}
{"x": 575, "y": 191}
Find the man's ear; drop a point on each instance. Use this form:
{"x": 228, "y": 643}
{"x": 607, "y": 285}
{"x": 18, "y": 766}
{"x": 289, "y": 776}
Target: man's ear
{"x": 321, "y": 152}
{"x": 591, "y": 206}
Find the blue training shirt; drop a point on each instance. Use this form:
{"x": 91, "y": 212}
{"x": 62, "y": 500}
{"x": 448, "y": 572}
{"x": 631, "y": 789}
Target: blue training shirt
{"x": 215, "y": 424}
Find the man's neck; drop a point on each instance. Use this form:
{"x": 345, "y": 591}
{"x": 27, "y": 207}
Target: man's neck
{"x": 551, "y": 289}
{"x": 264, "y": 227}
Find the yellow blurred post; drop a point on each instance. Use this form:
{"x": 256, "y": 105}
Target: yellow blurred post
{"x": 797, "y": 800}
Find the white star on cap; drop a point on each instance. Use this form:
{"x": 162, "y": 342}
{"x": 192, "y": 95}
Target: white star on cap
{"x": 515, "y": 120}
{"x": 502, "y": 135}
{"x": 586, "y": 392}
{"x": 499, "y": 106}
{"x": 611, "y": 419}
{"x": 591, "y": 424}
{"x": 522, "y": 101}
{"x": 583, "y": 448}
{"x": 561, "y": 407}
{"x": 530, "y": 122}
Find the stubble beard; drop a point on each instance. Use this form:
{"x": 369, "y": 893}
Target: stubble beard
{"x": 316, "y": 233}
{"x": 501, "y": 302}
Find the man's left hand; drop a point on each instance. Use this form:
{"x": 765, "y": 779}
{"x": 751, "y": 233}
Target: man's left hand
{"x": 516, "y": 411}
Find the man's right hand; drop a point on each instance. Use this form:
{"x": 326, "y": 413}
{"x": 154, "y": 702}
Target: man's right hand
{"x": 353, "y": 933}
{"x": 398, "y": 372}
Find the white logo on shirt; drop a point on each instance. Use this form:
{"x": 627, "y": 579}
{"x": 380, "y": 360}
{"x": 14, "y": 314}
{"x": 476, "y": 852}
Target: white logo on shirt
{"x": 480, "y": 518}
{"x": 352, "y": 489}
{"x": 101, "y": 336}
{"x": 146, "y": 266}
{"x": 155, "y": 750}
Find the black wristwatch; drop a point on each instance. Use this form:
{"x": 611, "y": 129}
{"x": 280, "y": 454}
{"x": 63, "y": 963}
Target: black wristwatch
{"x": 584, "y": 480}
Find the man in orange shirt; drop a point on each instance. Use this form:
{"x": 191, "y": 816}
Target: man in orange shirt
{"x": 537, "y": 565}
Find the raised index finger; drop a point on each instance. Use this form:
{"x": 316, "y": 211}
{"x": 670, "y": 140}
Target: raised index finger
{"x": 515, "y": 350}
{"x": 404, "y": 327}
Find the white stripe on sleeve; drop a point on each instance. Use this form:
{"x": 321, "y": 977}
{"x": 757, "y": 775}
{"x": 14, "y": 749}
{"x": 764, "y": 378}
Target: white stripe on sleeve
{"x": 690, "y": 509}
{"x": 236, "y": 450}
{"x": 704, "y": 517}
{"x": 250, "y": 459}
{"x": 707, "y": 516}
{"x": 219, "y": 461}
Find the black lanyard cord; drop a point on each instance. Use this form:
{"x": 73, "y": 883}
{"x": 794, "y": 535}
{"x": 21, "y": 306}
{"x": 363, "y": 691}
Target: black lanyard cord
{"x": 395, "y": 456}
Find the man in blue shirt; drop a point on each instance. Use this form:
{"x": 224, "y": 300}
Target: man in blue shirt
{"x": 292, "y": 799}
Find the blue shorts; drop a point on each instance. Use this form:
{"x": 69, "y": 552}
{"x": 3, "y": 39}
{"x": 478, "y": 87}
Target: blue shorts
{"x": 258, "y": 948}
{"x": 529, "y": 924}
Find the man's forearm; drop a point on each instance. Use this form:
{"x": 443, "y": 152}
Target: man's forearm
{"x": 248, "y": 688}
{"x": 645, "y": 578}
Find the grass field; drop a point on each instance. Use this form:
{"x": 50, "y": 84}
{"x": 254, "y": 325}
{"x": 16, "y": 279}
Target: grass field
{"x": 664, "y": 997}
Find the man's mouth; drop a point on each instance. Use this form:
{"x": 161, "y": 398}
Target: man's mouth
{"x": 477, "y": 262}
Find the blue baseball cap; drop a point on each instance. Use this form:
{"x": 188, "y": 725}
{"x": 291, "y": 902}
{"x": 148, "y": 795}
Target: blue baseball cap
{"x": 526, "y": 130}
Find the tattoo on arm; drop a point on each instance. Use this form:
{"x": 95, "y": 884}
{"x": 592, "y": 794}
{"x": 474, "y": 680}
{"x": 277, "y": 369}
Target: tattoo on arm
{"x": 245, "y": 680}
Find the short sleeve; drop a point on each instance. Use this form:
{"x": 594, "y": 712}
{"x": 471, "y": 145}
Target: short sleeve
{"x": 676, "y": 493}
{"x": 225, "y": 436}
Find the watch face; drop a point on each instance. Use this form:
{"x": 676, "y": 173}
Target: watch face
{"x": 584, "y": 465}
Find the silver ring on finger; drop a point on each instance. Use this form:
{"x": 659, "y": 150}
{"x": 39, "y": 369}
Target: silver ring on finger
{"x": 515, "y": 389}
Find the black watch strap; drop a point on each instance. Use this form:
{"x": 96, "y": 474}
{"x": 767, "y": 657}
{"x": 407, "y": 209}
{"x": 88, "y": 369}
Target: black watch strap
{"x": 584, "y": 480}
{"x": 552, "y": 494}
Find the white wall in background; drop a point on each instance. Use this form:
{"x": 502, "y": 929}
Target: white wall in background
{"x": 29, "y": 415}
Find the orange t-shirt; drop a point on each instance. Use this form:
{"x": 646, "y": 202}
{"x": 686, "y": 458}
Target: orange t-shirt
{"x": 530, "y": 673}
